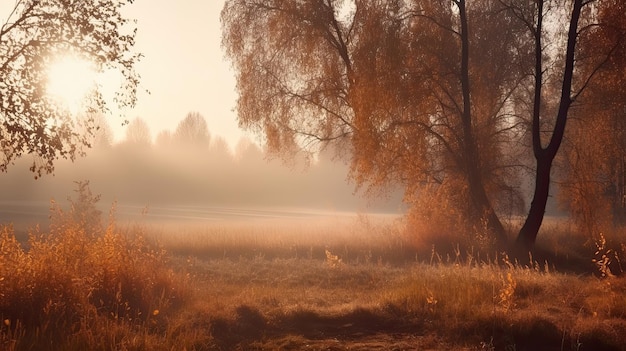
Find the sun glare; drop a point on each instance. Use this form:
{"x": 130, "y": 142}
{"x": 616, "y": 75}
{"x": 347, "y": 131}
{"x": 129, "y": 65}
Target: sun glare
{"x": 70, "y": 79}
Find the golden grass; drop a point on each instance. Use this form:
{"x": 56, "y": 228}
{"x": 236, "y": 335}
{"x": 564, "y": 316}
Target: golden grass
{"x": 357, "y": 239}
{"x": 461, "y": 305}
{"x": 80, "y": 285}
{"x": 334, "y": 283}
{"x": 326, "y": 274}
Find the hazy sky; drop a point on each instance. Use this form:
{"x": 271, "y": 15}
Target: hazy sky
{"x": 184, "y": 67}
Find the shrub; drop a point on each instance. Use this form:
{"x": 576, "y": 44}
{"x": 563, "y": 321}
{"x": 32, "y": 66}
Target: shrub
{"x": 77, "y": 272}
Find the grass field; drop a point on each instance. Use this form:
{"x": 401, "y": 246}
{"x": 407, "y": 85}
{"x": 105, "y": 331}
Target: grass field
{"x": 332, "y": 283}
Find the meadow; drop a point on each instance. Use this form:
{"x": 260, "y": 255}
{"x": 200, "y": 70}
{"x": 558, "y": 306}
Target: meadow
{"x": 333, "y": 282}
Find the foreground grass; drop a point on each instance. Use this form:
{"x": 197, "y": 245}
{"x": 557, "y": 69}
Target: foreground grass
{"x": 334, "y": 284}
{"x": 293, "y": 303}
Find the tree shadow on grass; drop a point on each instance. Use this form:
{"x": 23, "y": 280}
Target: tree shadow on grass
{"x": 540, "y": 334}
{"x": 354, "y": 324}
{"x": 251, "y": 330}
{"x": 250, "y": 326}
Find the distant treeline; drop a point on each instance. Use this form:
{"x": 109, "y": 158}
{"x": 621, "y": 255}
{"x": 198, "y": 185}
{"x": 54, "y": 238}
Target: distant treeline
{"x": 190, "y": 166}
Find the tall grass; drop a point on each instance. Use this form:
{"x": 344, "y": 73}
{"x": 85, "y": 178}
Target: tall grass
{"x": 312, "y": 278}
{"x": 324, "y": 303}
{"x": 356, "y": 238}
{"x": 337, "y": 283}
{"x": 79, "y": 278}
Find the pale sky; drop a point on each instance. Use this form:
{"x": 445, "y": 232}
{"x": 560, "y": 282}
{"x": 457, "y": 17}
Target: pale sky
{"x": 184, "y": 67}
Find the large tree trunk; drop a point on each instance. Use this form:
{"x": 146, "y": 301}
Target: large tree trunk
{"x": 544, "y": 156}
{"x": 485, "y": 213}
{"x": 528, "y": 234}
{"x": 480, "y": 201}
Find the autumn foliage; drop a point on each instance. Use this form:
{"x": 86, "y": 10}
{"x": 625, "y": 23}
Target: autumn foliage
{"x": 79, "y": 273}
{"x": 471, "y": 97}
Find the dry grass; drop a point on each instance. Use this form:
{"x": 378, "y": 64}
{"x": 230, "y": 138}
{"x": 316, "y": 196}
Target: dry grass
{"x": 81, "y": 285}
{"x": 441, "y": 306}
{"x": 272, "y": 285}
{"x": 339, "y": 283}
{"x": 358, "y": 239}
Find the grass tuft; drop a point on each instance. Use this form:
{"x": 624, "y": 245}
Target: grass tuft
{"x": 81, "y": 284}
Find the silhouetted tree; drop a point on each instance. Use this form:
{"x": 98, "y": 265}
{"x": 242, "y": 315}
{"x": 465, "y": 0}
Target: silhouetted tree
{"x": 164, "y": 139}
{"x": 573, "y": 78}
{"x": 247, "y": 151}
{"x": 138, "y": 133}
{"x": 36, "y": 31}
{"x": 101, "y": 137}
{"x": 192, "y": 131}
{"x": 219, "y": 150}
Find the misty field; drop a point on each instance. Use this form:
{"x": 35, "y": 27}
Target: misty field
{"x": 323, "y": 282}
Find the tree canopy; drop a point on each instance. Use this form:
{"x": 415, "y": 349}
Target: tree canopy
{"x": 34, "y": 34}
{"x": 594, "y": 156}
{"x": 192, "y": 130}
{"x": 444, "y": 96}
{"x": 138, "y": 133}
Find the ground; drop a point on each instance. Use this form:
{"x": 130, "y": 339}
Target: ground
{"x": 342, "y": 283}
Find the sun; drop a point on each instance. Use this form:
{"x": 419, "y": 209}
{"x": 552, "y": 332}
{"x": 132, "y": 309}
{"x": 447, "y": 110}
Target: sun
{"x": 70, "y": 80}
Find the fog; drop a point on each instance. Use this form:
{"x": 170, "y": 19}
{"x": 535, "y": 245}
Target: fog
{"x": 203, "y": 180}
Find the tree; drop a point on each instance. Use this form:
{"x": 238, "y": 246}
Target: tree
{"x": 576, "y": 74}
{"x": 138, "y": 133}
{"x": 593, "y": 184}
{"x": 34, "y": 33}
{"x": 192, "y": 131}
{"x": 164, "y": 139}
{"x": 393, "y": 79}
{"x": 432, "y": 94}
{"x": 589, "y": 174}
{"x": 97, "y": 130}
{"x": 219, "y": 151}
{"x": 103, "y": 137}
